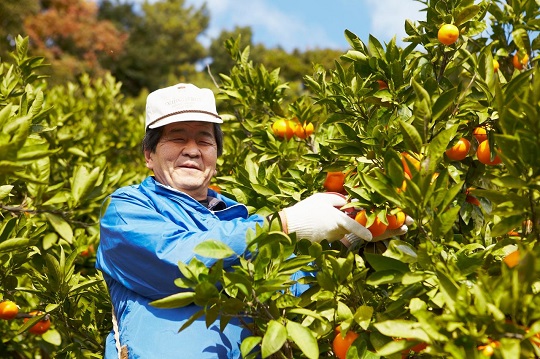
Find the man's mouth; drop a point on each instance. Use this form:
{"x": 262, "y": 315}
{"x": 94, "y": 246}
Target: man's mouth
{"x": 189, "y": 166}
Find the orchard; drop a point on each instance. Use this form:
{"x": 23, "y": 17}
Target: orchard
{"x": 445, "y": 130}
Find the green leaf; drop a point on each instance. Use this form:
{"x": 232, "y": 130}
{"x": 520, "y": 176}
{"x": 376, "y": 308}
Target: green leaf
{"x": 303, "y": 337}
{"x": 274, "y": 338}
{"x": 382, "y": 263}
{"x": 402, "y": 329}
{"x": 411, "y": 137}
{"x": 521, "y": 39}
{"x": 363, "y": 316}
{"x": 176, "y": 300}
{"x": 52, "y": 336}
{"x": 466, "y": 14}
{"x": 445, "y": 221}
{"x": 13, "y": 244}
{"x": 248, "y": 344}
{"x": 438, "y": 146}
{"x": 5, "y": 190}
{"x": 444, "y": 101}
{"x": 60, "y": 226}
{"x": 448, "y": 286}
{"x": 83, "y": 182}
{"x": 506, "y": 224}
{"x": 214, "y": 249}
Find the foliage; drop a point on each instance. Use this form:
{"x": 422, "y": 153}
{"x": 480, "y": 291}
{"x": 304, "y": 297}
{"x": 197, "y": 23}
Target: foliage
{"x": 445, "y": 289}
{"x": 12, "y": 14}
{"x": 62, "y": 151}
{"x": 71, "y": 37}
{"x": 445, "y": 283}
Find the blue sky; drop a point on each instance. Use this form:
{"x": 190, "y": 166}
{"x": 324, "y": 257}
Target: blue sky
{"x": 311, "y": 24}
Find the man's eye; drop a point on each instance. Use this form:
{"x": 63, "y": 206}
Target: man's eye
{"x": 177, "y": 139}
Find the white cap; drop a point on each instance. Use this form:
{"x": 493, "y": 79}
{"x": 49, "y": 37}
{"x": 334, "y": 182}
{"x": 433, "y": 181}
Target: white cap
{"x": 181, "y": 102}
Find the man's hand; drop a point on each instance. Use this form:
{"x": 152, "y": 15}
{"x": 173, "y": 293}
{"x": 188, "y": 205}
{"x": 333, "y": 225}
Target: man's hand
{"x": 317, "y": 218}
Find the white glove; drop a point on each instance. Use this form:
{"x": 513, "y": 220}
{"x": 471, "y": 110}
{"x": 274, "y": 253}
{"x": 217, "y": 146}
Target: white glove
{"x": 317, "y": 218}
{"x": 389, "y": 233}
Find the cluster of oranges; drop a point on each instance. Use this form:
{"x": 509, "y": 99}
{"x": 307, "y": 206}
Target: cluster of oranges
{"x": 9, "y": 310}
{"x": 448, "y": 34}
{"x": 287, "y": 129}
{"x": 483, "y": 152}
{"x": 335, "y": 181}
{"x": 460, "y": 150}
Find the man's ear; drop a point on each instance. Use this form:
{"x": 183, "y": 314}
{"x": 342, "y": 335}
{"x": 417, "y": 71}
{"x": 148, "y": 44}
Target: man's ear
{"x": 148, "y": 159}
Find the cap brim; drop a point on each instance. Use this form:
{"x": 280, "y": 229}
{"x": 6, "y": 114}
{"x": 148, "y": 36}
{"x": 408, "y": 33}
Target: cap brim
{"x": 184, "y": 117}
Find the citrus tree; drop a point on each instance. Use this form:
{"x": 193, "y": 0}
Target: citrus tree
{"x": 62, "y": 151}
{"x": 445, "y": 130}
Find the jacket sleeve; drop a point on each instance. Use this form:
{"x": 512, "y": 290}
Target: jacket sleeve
{"x": 140, "y": 248}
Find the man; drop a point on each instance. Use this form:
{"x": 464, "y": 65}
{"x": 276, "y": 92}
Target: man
{"x": 148, "y": 228}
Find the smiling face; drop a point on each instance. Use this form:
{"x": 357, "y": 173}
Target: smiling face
{"x": 185, "y": 157}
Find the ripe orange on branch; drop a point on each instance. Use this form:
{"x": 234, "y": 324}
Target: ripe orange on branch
{"x": 483, "y": 153}
{"x": 334, "y": 182}
{"x": 395, "y": 221}
{"x": 495, "y": 65}
{"x": 480, "y": 134}
{"x": 8, "y": 310}
{"x": 303, "y": 131}
{"x": 341, "y": 344}
{"x": 407, "y": 159}
{"x": 376, "y": 228}
{"x": 520, "y": 62}
{"x": 283, "y": 128}
{"x": 459, "y": 151}
{"x": 448, "y": 34}
{"x": 40, "y": 327}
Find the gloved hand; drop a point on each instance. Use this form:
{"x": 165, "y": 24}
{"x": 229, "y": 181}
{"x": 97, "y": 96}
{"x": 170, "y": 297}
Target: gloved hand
{"x": 389, "y": 233}
{"x": 317, "y": 218}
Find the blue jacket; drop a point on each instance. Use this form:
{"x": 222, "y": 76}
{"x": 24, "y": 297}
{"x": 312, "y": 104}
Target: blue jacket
{"x": 145, "y": 231}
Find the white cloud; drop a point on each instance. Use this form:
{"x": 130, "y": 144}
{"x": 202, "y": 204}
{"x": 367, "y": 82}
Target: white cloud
{"x": 269, "y": 24}
{"x": 388, "y": 17}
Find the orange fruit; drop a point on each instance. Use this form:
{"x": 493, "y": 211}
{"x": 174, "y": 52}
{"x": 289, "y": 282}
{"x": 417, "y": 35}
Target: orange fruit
{"x": 334, "y": 182}
{"x": 341, "y": 344}
{"x": 495, "y": 65}
{"x": 483, "y": 153}
{"x": 480, "y": 134}
{"x": 395, "y": 221}
{"x": 283, "y": 128}
{"x": 459, "y": 151}
{"x": 376, "y": 228}
{"x": 520, "y": 63}
{"x": 304, "y": 131}
{"x": 415, "y": 349}
{"x": 472, "y": 200}
{"x": 512, "y": 259}
{"x": 40, "y": 327}
{"x": 407, "y": 159}
{"x": 404, "y": 184}
{"x": 215, "y": 188}
{"x": 8, "y": 310}
{"x": 448, "y": 34}
{"x": 88, "y": 251}
{"x": 382, "y": 84}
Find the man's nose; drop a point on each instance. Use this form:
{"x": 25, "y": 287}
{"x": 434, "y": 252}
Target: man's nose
{"x": 191, "y": 149}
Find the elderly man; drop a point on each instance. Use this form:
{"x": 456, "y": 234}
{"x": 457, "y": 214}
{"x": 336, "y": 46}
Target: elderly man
{"x": 146, "y": 229}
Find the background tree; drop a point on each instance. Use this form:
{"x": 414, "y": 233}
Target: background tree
{"x": 221, "y": 60}
{"x": 70, "y": 36}
{"x": 12, "y": 14}
{"x": 162, "y": 47}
